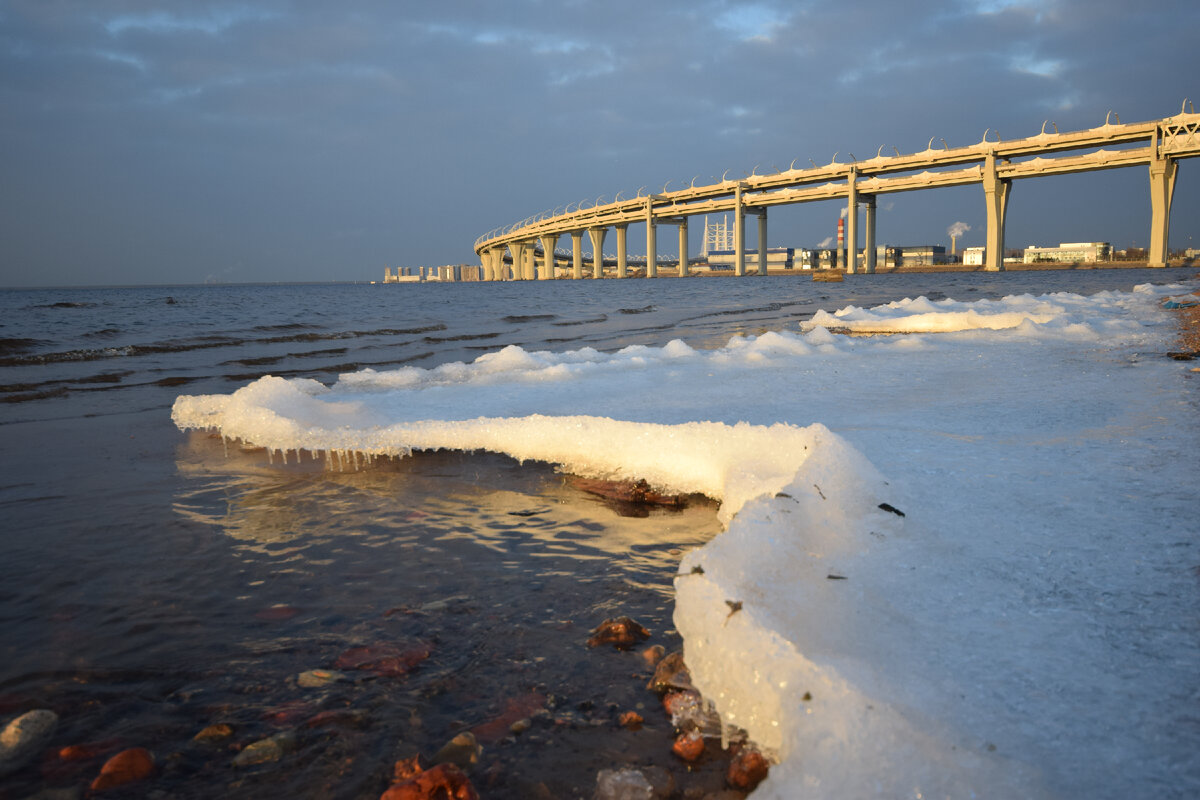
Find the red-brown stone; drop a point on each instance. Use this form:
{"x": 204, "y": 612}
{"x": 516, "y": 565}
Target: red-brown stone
{"x": 407, "y": 768}
{"x": 621, "y": 632}
{"x": 515, "y": 708}
{"x": 674, "y": 702}
{"x": 125, "y": 767}
{"x": 688, "y": 746}
{"x": 443, "y": 782}
{"x": 84, "y": 752}
{"x": 747, "y": 769}
{"x": 631, "y": 720}
{"x": 384, "y": 660}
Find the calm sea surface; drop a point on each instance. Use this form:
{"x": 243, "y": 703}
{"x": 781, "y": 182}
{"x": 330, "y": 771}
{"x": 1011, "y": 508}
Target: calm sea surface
{"x": 155, "y": 583}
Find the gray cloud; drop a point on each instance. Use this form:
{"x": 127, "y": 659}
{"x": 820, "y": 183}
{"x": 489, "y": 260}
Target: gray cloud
{"x": 143, "y": 144}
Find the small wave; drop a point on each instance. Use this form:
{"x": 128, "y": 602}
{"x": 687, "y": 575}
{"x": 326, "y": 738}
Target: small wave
{"x": 287, "y": 326}
{"x": 202, "y": 343}
{"x": 65, "y": 304}
{"x": 103, "y": 333}
{"x": 516, "y": 318}
{"x": 12, "y": 346}
{"x": 642, "y": 310}
{"x": 466, "y": 337}
{"x": 566, "y": 323}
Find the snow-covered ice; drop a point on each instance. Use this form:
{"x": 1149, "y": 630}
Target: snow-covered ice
{"x": 1028, "y": 628}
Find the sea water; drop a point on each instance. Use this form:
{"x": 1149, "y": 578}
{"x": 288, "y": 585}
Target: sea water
{"x": 158, "y": 582}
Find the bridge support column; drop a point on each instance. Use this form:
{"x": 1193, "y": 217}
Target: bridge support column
{"x": 852, "y": 223}
{"x": 485, "y": 265}
{"x": 651, "y": 241}
{"x": 530, "y": 263}
{"x": 597, "y": 236}
{"x": 622, "y": 250}
{"x": 576, "y": 254}
{"x": 995, "y": 194}
{"x": 739, "y": 233}
{"x": 683, "y": 247}
{"x": 762, "y": 241}
{"x": 1162, "y": 188}
{"x": 518, "y": 260}
{"x": 869, "y": 246}
{"x": 549, "y": 242}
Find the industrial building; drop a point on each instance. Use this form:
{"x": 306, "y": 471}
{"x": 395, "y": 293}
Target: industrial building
{"x": 1070, "y": 252}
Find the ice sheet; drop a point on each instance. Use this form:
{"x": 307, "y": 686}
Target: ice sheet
{"x": 1028, "y": 628}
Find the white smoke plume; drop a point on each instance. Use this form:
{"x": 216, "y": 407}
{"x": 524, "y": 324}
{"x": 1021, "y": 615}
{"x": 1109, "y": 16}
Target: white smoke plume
{"x": 826, "y": 242}
{"x": 957, "y": 229}
{"x": 845, "y": 210}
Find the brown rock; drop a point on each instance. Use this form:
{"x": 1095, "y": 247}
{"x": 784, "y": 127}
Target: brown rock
{"x": 747, "y": 769}
{"x": 653, "y": 654}
{"x": 671, "y": 673}
{"x": 688, "y": 746}
{"x": 621, "y": 632}
{"x": 443, "y": 782}
{"x": 214, "y": 732}
{"x": 676, "y": 702}
{"x": 631, "y": 720}
{"x": 125, "y": 767}
{"x": 385, "y": 660}
{"x": 407, "y": 768}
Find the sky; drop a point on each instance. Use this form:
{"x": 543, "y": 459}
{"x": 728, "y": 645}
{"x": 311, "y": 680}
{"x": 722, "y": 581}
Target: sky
{"x": 209, "y": 141}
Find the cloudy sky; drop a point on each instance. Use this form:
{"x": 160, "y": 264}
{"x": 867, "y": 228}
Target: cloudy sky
{"x": 179, "y": 142}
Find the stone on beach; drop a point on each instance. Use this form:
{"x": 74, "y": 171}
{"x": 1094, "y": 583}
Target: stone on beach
{"x": 23, "y": 737}
{"x": 263, "y": 751}
{"x": 621, "y": 632}
{"x": 631, "y": 720}
{"x": 462, "y": 751}
{"x": 747, "y": 769}
{"x": 442, "y": 782}
{"x": 688, "y": 746}
{"x": 671, "y": 673}
{"x": 125, "y": 767}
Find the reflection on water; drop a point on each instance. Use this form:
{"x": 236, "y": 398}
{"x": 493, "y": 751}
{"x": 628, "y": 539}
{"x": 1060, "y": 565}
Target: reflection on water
{"x": 452, "y": 591}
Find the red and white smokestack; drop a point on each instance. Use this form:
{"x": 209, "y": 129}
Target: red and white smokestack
{"x": 841, "y": 249}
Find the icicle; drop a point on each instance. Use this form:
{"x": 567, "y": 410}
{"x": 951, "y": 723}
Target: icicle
{"x": 225, "y": 443}
{"x": 270, "y": 456}
{"x": 283, "y": 455}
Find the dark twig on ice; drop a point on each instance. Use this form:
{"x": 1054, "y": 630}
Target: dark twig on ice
{"x": 891, "y": 508}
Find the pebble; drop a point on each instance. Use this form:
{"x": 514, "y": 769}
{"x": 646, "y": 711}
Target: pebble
{"x": 125, "y": 767}
{"x": 214, "y": 733}
{"x": 316, "y": 678}
{"x": 671, "y": 673}
{"x": 688, "y": 746}
{"x": 621, "y": 632}
{"x": 443, "y": 782}
{"x": 462, "y": 751}
{"x": 265, "y": 750}
{"x": 23, "y": 737}
{"x": 520, "y": 726}
{"x": 631, "y": 720}
{"x": 653, "y": 654}
{"x": 747, "y": 769}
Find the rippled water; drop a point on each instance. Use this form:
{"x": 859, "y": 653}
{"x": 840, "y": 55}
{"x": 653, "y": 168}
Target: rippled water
{"x": 155, "y": 583}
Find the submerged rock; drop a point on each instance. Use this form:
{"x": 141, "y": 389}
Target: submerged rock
{"x": 462, "y": 751}
{"x": 316, "y": 678}
{"x": 621, "y": 632}
{"x": 125, "y": 767}
{"x": 23, "y": 737}
{"x": 688, "y": 746}
{"x": 265, "y": 750}
{"x": 443, "y": 782}
{"x": 214, "y": 733}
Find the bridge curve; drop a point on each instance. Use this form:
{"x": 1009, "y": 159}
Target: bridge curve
{"x": 994, "y": 164}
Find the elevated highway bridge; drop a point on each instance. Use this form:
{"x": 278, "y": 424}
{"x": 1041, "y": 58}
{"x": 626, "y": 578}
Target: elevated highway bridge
{"x": 511, "y": 253}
